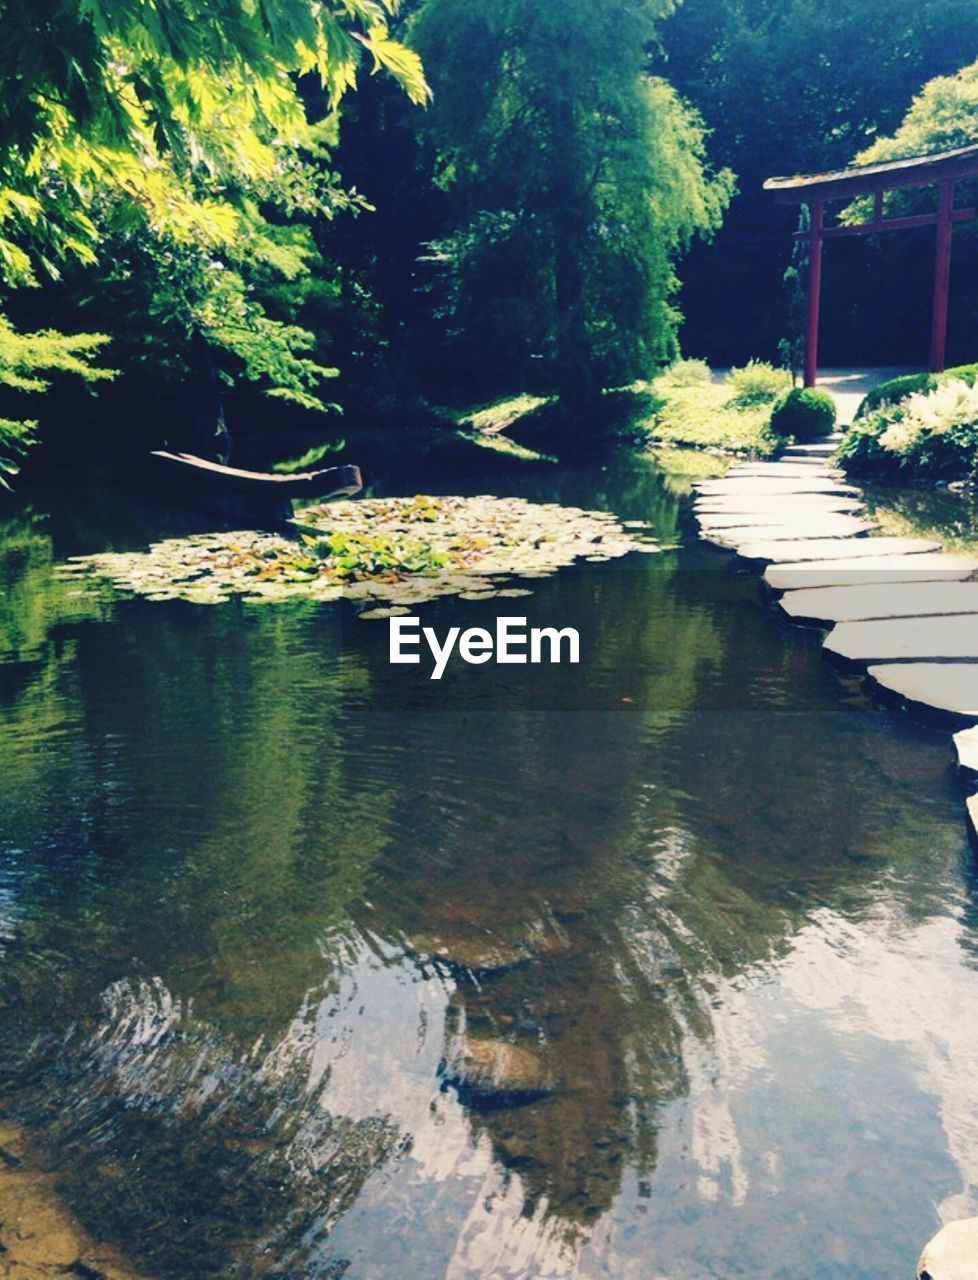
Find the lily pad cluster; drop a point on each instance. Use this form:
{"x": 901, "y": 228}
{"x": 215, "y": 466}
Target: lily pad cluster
{"x": 386, "y": 554}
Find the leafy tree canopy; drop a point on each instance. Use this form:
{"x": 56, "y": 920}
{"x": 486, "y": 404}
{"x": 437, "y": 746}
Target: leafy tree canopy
{"x": 573, "y": 178}
{"x": 141, "y": 99}
{"x": 175, "y": 130}
{"x": 942, "y": 116}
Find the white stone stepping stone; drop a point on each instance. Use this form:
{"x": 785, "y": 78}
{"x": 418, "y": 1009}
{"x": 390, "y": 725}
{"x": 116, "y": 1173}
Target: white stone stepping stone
{"x": 815, "y": 549}
{"x": 802, "y": 460}
{"x": 769, "y": 486}
{"x": 811, "y": 527}
{"x": 710, "y": 521}
{"x": 784, "y": 469}
{"x": 906, "y": 639}
{"x": 966, "y": 745}
{"x": 819, "y": 449}
{"x": 814, "y": 525}
{"x": 881, "y": 600}
{"x": 745, "y": 501}
{"x": 808, "y": 502}
{"x": 918, "y": 564}
{"x": 972, "y": 807}
{"x": 948, "y": 688}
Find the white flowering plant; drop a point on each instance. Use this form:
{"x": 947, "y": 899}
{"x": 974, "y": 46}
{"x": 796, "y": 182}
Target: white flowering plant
{"x": 929, "y": 434}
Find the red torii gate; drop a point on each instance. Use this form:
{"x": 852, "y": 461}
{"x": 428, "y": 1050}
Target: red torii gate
{"x": 942, "y": 169}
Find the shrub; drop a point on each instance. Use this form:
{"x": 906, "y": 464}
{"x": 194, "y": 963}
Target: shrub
{"x": 860, "y": 451}
{"x": 929, "y": 434}
{"x": 803, "y": 413}
{"x": 897, "y": 389}
{"x": 686, "y": 373}
{"x": 757, "y": 383}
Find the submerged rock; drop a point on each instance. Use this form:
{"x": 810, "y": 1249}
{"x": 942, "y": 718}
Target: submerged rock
{"x": 39, "y": 1235}
{"x": 952, "y": 1254}
{"x": 488, "y": 1074}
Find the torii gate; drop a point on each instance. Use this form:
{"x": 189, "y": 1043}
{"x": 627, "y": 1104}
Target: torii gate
{"x": 941, "y": 169}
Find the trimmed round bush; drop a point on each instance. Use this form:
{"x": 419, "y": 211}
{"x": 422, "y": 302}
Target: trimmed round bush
{"x": 804, "y": 414}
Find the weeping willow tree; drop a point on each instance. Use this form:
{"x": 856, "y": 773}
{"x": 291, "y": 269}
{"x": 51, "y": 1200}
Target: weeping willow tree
{"x": 177, "y": 129}
{"x": 574, "y": 180}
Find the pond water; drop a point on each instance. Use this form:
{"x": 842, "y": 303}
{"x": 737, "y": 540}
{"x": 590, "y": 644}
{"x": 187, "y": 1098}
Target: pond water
{"x": 661, "y": 966}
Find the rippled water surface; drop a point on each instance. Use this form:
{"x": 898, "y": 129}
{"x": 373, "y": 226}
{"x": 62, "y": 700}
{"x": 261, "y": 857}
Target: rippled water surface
{"x": 658, "y": 967}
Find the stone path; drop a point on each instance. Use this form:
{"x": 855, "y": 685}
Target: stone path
{"x": 902, "y": 609}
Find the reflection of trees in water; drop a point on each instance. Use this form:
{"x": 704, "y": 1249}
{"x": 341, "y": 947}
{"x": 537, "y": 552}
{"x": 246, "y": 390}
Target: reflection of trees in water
{"x": 233, "y": 817}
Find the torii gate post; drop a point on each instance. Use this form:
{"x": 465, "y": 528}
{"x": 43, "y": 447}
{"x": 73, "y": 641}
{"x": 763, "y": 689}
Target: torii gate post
{"x": 943, "y": 170}
{"x": 816, "y": 240}
{"x": 942, "y": 278}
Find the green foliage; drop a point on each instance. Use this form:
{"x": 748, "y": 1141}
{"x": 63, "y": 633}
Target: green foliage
{"x": 942, "y": 116}
{"x": 28, "y": 363}
{"x": 572, "y": 180}
{"x": 801, "y": 86}
{"x": 311, "y": 458}
{"x": 496, "y": 417}
{"x": 154, "y": 147}
{"x": 929, "y": 432}
{"x": 162, "y": 105}
{"x": 803, "y": 414}
{"x": 757, "y": 383}
{"x": 896, "y": 389}
{"x": 699, "y": 411}
{"x": 355, "y": 556}
{"x": 686, "y": 373}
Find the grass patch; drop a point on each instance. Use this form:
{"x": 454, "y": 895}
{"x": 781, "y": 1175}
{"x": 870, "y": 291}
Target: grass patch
{"x": 496, "y": 417}
{"x": 700, "y": 412}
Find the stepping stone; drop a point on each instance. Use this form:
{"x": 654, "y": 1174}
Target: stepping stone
{"x": 820, "y": 449}
{"x": 821, "y": 527}
{"x": 906, "y": 640}
{"x": 972, "y": 807}
{"x": 762, "y": 486}
{"x": 804, "y": 459}
{"x": 773, "y": 509}
{"x": 816, "y": 525}
{"x": 941, "y": 690}
{"x": 966, "y": 745}
{"x": 918, "y": 564}
{"x": 710, "y": 521}
{"x": 881, "y": 600}
{"x": 784, "y": 469}
{"x": 783, "y": 501}
{"x": 787, "y": 552}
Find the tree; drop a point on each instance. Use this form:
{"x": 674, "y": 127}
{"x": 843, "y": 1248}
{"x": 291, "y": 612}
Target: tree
{"x": 792, "y": 86}
{"x": 573, "y": 180}
{"x": 28, "y": 361}
{"x": 122, "y": 118}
